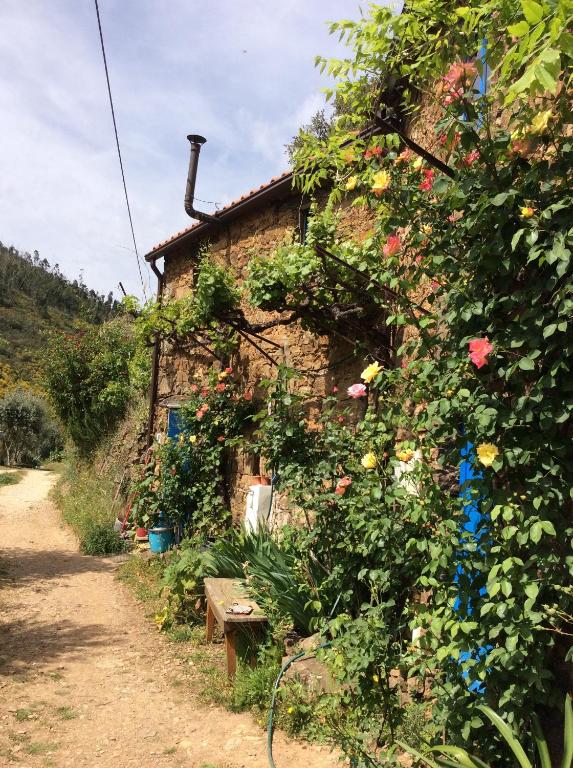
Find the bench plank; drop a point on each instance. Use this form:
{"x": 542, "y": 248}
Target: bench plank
{"x": 221, "y": 594}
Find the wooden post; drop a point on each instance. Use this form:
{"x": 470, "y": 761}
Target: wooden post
{"x": 231, "y": 648}
{"x": 210, "y": 622}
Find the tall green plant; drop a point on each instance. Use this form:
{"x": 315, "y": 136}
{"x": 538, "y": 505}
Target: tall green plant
{"x": 89, "y": 377}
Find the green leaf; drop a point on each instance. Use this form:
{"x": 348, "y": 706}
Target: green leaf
{"x": 566, "y": 44}
{"x": 532, "y": 11}
{"x": 548, "y": 528}
{"x": 499, "y": 199}
{"x": 506, "y": 732}
{"x": 416, "y": 754}
{"x": 519, "y": 29}
{"x": 540, "y": 742}
{"x": 535, "y": 532}
{"x": 526, "y": 364}
{"x": 549, "y": 330}
{"x": 567, "y": 734}
{"x": 532, "y": 590}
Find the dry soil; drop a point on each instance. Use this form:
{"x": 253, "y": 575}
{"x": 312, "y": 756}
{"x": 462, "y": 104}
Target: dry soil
{"x": 85, "y": 679}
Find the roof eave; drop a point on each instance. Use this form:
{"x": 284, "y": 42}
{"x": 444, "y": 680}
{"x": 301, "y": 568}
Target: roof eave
{"x": 270, "y": 192}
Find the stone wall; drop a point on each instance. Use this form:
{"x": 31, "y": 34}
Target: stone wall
{"x": 322, "y": 361}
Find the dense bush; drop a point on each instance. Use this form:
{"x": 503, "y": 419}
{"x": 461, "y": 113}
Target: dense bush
{"x": 90, "y": 376}
{"x": 184, "y": 477}
{"x": 28, "y": 432}
{"x": 101, "y": 539}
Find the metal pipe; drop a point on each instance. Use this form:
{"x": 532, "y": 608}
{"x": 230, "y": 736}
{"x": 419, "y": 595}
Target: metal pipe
{"x": 196, "y": 142}
{"x": 154, "y": 364}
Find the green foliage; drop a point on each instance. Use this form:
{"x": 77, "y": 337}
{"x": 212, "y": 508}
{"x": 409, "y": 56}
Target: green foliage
{"x": 10, "y": 478}
{"x": 270, "y": 569}
{"x": 457, "y": 756}
{"x": 253, "y": 686}
{"x": 184, "y": 477}
{"x": 90, "y": 376}
{"x": 272, "y": 574}
{"x": 36, "y": 298}
{"x": 203, "y": 314}
{"x": 86, "y": 500}
{"x": 101, "y": 539}
{"x": 28, "y": 431}
{"x": 481, "y": 255}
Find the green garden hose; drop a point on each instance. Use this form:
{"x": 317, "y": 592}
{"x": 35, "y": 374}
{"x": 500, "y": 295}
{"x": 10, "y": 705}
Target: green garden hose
{"x": 270, "y": 725}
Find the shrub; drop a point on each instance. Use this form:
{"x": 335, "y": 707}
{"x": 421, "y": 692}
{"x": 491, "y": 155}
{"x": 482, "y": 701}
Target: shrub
{"x": 88, "y": 376}
{"x": 101, "y": 539}
{"x": 184, "y": 479}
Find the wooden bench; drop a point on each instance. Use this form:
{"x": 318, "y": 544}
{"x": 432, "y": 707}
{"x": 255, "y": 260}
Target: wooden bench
{"x": 221, "y": 594}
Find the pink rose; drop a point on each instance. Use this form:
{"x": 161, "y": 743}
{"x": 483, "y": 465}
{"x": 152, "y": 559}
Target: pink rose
{"x": 479, "y": 350}
{"x": 392, "y": 246}
{"x": 356, "y": 391}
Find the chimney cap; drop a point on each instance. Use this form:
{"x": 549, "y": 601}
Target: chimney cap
{"x": 194, "y": 138}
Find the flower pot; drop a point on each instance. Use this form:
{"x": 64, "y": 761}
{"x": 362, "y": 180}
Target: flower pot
{"x": 161, "y": 539}
{"x": 141, "y": 534}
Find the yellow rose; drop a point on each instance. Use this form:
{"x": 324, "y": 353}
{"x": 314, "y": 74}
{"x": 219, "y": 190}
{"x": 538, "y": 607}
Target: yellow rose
{"x": 349, "y": 156}
{"x": 368, "y": 461}
{"x": 192, "y": 439}
{"x": 527, "y": 212}
{"x": 370, "y": 372}
{"x": 541, "y": 121}
{"x": 487, "y": 453}
{"x": 427, "y": 229}
{"x": 405, "y": 455}
{"x": 382, "y": 181}
{"x": 417, "y": 164}
{"x": 351, "y": 183}
{"x": 222, "y": 375}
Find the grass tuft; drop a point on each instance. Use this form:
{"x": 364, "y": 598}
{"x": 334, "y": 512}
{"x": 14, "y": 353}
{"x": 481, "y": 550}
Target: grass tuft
{"x": 10, "y": 478}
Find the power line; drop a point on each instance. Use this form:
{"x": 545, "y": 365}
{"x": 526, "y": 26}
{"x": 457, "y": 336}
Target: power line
{"x": 117, "y": 144}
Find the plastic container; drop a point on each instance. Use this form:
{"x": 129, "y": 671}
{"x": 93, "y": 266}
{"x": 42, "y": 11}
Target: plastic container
{"x": 161, "y": 539}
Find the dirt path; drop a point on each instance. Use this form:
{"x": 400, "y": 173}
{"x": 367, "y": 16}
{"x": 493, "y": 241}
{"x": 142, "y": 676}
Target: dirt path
{"x": 84, "y": 678}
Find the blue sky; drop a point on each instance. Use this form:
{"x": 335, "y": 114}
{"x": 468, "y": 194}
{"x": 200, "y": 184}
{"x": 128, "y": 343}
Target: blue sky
{"x": 240, "y": 72}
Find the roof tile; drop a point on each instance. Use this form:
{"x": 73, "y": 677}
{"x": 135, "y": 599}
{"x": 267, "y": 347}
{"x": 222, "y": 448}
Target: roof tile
{"x": 246, "y": 196}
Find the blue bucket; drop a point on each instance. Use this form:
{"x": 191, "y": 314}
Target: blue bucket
{"x": 161, "y": 539}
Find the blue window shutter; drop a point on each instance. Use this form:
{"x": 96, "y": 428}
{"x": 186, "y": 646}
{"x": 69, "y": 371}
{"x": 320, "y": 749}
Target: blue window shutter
{"x": 173, "y": 423}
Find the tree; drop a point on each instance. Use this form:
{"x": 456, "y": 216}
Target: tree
{"x": 28, "y": 432}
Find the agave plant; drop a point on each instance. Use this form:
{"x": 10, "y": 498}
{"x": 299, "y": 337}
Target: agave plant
{"x": 457, "y": 757}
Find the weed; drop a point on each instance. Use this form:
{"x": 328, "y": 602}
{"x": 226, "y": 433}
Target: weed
{"x": 9, "y": 755}
{"x": 66, "y": 713}
{"x": 182, "y": 633}
{"x": 40, "y": 747}
{"x": 10, "y": 478}
{"x": 253, "y": 686}
{"x": 170, "y": 751}
{"x": 101, "y": 539}
{"x": 19, "y": 738}
{"x": 23, "y": 714}
{"x": 85, "y": 500}
{"x": 57, "y": 676}
{"x": 144, "y": 577}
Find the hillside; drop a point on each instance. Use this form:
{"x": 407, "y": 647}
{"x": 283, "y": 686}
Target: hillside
{"x": 35, "y": 298}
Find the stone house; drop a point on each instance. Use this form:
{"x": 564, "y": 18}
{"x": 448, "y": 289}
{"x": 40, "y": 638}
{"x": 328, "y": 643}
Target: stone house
{"x": 257, "y": 222}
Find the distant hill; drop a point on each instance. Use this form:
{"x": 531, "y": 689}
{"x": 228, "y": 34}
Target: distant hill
{"x": 35, "y": 298}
